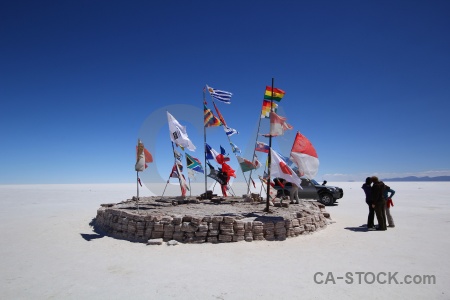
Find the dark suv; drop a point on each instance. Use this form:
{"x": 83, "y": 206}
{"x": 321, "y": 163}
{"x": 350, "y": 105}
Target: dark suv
{"x": 325, "y": 194}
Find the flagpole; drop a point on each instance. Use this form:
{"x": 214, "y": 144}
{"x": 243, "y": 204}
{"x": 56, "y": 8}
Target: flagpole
{"x": 179, "y": 174}
{"x": 270, "y": 154}
{"x": 137, "y": 188}
{"x": 229, "y": 140}
{"x": 162, "y": 196}
{"x": 190, "y": 193}
{"x": 254, "y": 152}
{"x": 204, "y": 142}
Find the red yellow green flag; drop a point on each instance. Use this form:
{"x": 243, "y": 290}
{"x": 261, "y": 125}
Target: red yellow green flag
{"x": 277, "y": 94}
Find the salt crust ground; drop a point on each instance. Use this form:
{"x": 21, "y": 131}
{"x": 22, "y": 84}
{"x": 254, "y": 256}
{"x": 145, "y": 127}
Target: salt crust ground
{"x": 48, "y": 250}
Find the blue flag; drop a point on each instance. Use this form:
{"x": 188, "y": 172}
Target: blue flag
{"x": 235, "y": 148}
{"x": 222, "y": 96}
{"x": 193, "y": 163}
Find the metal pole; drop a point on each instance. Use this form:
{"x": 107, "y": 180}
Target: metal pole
{"x": 204, "y": 142}
{"x": 179, "y": 173}
{"x": 254, "y": 152}
{"x": 137, "y": 187}
{"x": 162, "y": 196}
{"x": 233, "y": 193}
{"x": 270, "y": 155}
{"x": 229, "y": 140}
{"x": 190, "y": 188}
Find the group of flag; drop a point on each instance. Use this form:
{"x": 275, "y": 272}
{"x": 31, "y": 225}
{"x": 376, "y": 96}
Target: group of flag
{"x": 303, "y": 160}
{"x": 245, "y": 164}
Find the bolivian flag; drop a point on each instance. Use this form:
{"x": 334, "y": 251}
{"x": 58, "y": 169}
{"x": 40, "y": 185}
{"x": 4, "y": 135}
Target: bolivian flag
{"x": 277, "y": 94}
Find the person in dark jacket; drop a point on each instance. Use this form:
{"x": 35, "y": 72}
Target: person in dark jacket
{"x": 223, "y": 176}
{"x": 378, "y": 202}
{"x": 367, "y": 188}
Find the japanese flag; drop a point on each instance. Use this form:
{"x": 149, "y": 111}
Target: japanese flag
{"x": 278, "y": 168}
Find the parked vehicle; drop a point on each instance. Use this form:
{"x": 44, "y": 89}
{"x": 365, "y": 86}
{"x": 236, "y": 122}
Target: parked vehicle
{"x": 311, "y": 189}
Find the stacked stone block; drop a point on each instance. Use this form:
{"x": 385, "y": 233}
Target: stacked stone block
{"x": 136, "y": 227}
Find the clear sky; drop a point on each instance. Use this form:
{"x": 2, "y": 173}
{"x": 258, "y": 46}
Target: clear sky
{"x": 368, "y": 82}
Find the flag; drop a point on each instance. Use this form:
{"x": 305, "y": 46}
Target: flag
{"x": 183, "y": 184}
{"x": 262, "y": 147}
{"x": 210, "y": 120}
{"x": 265, "y": 112}
{"x": 278, "y": 124}
{"x": 143, "y": 156}
{"x": 222, "y": 96}
{"x": 221, "y": 159}
{"x": 279, "y": 169}
{"x": 277, "y": 94}
{"x": 178, "y": 133}
{"x": 210, "y": 152}
{"x": 178, "y": 155}
{"x": 213, "y": 154}
{"x": 264, "y": 180}
{"x": 222, "y": 150}
{"x": 235, "y": 148}
{"x": 191, "y": 174}
{"x": 174, "y": 173}
{"x": 230, "y": 131}
{"x": 256, "y": 161}
{"x": 305, "y": 156}
{"x": 254, "y": 185}
{"x": 220, "y": 115}
{"x": 288, "y": 161}
{"x": 245, "y": 164}
{"x": 193, "y": 164}
{"x": 214, "y": 174}
{"x": 228, "y": 170}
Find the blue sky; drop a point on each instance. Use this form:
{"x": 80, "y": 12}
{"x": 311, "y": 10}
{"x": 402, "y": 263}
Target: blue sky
{"x": 368, "y": 82}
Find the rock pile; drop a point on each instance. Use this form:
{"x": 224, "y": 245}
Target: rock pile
{"x": 143, "y": 226}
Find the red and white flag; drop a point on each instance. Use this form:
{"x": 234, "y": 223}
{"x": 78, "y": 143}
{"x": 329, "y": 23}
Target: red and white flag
{"x": 213, "y": 154}
{"x": 142, "y": 157}
{"x": 183, "y": 183}
{"x": 305, "y": 156}
{"x": 278, "y": 124}
{"x": 278, "y": 168}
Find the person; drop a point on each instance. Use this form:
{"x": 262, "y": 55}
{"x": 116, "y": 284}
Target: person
{"x": 223, "y": 176}
{"x": 370, "y": 218}
{"x": 281, "y": 183}
{"x": 378, "y": 202}
{"x": 294, "y": 191}
{"x": 388, "y": 201}
{"x": 293, "y": 195}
